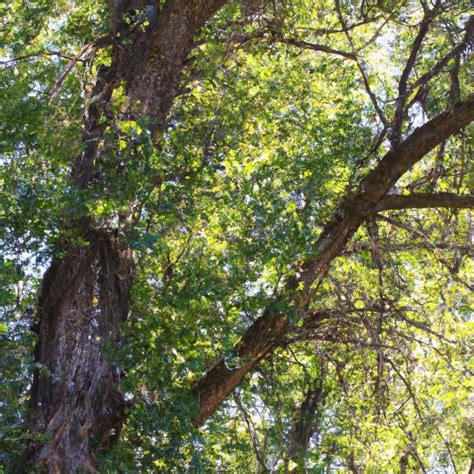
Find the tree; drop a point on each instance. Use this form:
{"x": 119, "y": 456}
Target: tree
{"x": 215, "y": 165}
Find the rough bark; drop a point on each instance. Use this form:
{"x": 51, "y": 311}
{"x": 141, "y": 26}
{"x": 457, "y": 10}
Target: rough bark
{"x": 155, "y": 66}
{"x": 76, "y": 400}
{"x": 352, "y": 212}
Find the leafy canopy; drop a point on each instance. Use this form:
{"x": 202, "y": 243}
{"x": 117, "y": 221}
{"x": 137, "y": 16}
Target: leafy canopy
{"x": 262, "y": 143}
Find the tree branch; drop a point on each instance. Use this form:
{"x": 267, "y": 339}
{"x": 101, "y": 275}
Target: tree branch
{"x": 425, "y": 201}
{"x": 404, "y": 247}
{"x": 315, "y": 47}
{"x": 36, "y": 55}
{"x": 277, "y": 37}
{"x": 362, "y": 69}
{"x": 396, "y": 131}
{"x": 434, "y": 70}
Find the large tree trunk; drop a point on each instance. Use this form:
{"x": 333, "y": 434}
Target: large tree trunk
{"x": 77, "y": 406}
{"x": 76, "y": 399}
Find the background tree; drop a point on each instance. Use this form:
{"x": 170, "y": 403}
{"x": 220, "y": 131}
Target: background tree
{"x": 279, "y": 189}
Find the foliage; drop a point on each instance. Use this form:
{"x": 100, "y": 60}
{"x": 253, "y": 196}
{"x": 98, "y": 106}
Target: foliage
{"x": 262, "y": 144}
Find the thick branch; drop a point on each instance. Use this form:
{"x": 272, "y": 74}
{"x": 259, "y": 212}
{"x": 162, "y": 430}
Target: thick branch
{"x": 357, "y": 207}
{"x": 425, "y": 200}
{"x": 259, "y": 340}
{"x": 405, "y": 247}
{"x": 264, "y": 335}
{"x": 157, "y": 59}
